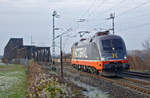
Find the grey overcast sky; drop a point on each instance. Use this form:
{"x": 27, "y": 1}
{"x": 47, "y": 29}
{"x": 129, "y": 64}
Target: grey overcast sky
{"x": 26, "y": 18}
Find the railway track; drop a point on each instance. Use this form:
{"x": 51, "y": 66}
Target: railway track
{"x": 127, "y": 82}
{"x": 139, "y": 74}
{"x": 134, "y": 84}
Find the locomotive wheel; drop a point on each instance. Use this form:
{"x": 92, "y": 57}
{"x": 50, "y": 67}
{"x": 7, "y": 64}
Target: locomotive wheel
{"x": 85, "y": 69}
{"x": 73, "y": 65}
{"x": 78, "y": 67}
{"x": 82, "y": 68}
{"x": 88, "y": 69}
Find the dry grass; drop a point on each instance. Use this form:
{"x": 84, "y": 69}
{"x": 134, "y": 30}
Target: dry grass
{"x": 139, "y": 64}
{"x": 13, "y": 81}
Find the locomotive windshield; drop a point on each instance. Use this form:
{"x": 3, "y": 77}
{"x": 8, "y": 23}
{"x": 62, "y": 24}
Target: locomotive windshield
{"x": 112, "y": 45}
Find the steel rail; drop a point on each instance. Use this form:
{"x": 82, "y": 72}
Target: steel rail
{"x": 144, "y": 75}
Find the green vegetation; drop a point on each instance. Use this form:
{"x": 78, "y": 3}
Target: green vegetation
{"x": 53, "y": 89}
{"x": 13, "y": 81}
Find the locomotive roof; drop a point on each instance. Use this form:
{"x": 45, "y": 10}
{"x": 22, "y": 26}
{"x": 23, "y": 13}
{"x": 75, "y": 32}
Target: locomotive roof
{"x": 108, "y": 37}
{"x": 95, "y": 38}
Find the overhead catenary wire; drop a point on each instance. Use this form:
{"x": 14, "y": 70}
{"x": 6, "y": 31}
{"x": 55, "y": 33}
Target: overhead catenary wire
{"x": 114, "y": 6}
{"x": 99, "y": 6}
{"x": 111, "y": 8}
{"x": 102, "y": 3}
{"x": 137, "y": 26}
{"x": 140, "y": 17}
{"x": 85, "y": 13}
{"x": 130, "y": 9}
{"x": 144, "y": 14}
{"x": 89, "y": 8}
{"x": 125, "y": 12}
{"x": 88, "y": 11}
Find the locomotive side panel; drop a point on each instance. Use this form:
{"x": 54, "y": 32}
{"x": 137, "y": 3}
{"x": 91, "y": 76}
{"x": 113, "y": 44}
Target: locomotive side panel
{"x": 86, "y": 52}
{"x": 87, "y": 55}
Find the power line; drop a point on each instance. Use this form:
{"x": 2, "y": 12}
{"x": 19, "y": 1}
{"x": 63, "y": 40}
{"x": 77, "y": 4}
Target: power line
{"x": 99, "y": 6}
{"x": 90, "y": 7}
{"x": 86, "y": 12}
{"x": 89, "y": 12}
{"x": 137, "y": 26}
{"x": 138, "y": 17}
{"x": 114, "y": 6}
{"x": 144, "y": 14}
{"x": 123, "y": 13}
{"x": 138, "y": 6}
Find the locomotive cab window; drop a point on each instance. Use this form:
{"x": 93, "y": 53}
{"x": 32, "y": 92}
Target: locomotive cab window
{"x": 112, "y": 45}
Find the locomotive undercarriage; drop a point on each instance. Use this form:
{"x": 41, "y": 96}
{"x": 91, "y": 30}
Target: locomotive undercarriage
{"x": 112, "y": 69}
{"x": 84, "y": 68}
{"x": 115, "y": 67}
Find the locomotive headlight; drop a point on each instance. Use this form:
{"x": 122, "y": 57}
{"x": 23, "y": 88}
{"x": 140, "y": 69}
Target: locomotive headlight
{"x": 125, "y": 57}
{"x": 103, "y": 59}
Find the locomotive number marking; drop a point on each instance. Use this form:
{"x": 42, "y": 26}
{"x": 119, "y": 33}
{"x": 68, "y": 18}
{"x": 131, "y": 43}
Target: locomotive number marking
{"x": 114, "y": 55}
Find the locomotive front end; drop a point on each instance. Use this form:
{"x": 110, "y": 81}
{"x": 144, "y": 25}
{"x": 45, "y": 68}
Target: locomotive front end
{"x": 113, "y": 55}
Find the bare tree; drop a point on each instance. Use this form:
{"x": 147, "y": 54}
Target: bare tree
{"x": 146, "y": 44}
{"x": 140, "y": 59}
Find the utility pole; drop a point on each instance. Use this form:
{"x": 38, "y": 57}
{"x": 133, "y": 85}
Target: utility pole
{"x": 31, "y": 47}
{"x": 53, "y": 43}
{"x": 61, "y": 53}
{"x": 61, "y": 57}
{"x": 112, "y": 16}
{"x": 31, "y": 41}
